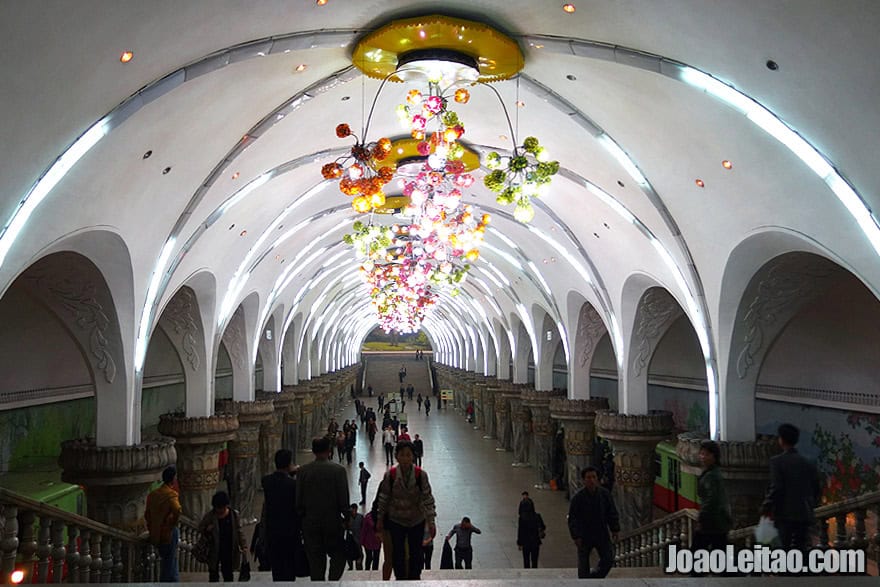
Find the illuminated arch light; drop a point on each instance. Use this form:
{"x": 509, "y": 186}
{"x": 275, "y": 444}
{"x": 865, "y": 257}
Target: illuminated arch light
{"x": 140, "y": 349}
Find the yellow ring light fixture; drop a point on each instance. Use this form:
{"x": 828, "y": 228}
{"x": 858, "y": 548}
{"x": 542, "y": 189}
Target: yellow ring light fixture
{"x": 439, "y": 48}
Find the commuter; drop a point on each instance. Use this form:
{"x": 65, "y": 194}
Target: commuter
{"x": 323, "y": 506}
{"x": 410, "y": 390}
{"x": 419, "y": 401}
{"x": 371, "y": 427}
{"x": 464, "y": 552}
{"x": 161, "y": 515}
{"x": 353, "y": 539}
{"x": 529, "y": 532}
{"x": 363, "y": 479}
{"x": 794, "y": 492}
{"x": 222, "y": 526}
{"x": 427, "y": 548}
{"x": 404, "y": 435}
{"x": 388, "y": 440}
{"x": 405, "y": 500}
{"x": 419, "y": 450}
{"x": 280, "y": 522}
{"x": 714, "y": 521}
{"x": 591, "y": 515}
{"x": 369, "y": 391}
{"x": 427, "y": 406}
{"x": 370, "y": 542}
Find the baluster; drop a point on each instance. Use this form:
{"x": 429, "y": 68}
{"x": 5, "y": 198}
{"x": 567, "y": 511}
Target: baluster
{"x": 28, "y": 546}
{"x": 860, "y": 539}
{"x": 58, "y": 551}
{"x": 150, "y": 573}
{"x": 9, "y": 540}
{"x": 824, "y": 534}
{"x": 72, "y": 554}
{"x": 655, "y": 547}
{"x": 183, "y": 550}
{"x": 877, "y": 527}
{"x": 43, "y": 549}
{"x": 107, "y": 559}
{"x": 840, "y": 541}
{"x": 118, "y": 566}
{"x": 85, "y": 555}
{"x": 95, "y": 568}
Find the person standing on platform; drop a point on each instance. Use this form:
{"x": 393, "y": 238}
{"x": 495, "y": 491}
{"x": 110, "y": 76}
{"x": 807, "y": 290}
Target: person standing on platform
{"x": 427, "y": 407}
{"x": 363, "y": 478}
{"x": 419, "y": 401}
{"x": 714, "y": 521}
{"x": 410, "y": 390}
{"x": 280, "y": 521}
{"x": 591, "y": 516}
{"x": 794, "y": 492}
{"x": 529, "y": 533}
{"x": 161, "y": 515}
{"x": 371, "y": 427}
{"x": 404, "y": 435}
{"x": 369, "y": 391}
{"x": 388, "y": 441}
{"x": 323, "y": 507}
{"x": 464, "y": 552}
{"x": 419, "y": 450}
{"x": 405, "y": 500}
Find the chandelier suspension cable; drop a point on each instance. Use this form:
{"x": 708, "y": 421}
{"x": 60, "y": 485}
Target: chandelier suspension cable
{"x": 517, "y": 105}
{"x": 376, "y": 99}
{"x": 506, "y": 114}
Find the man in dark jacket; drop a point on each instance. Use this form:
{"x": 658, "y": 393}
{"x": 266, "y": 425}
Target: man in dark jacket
{"x": 714, "y": 521}
{"x": 591, "y": 516}
{"x": 323, "y": 507}
{"x": 794, "y": 491}
{"x": 280, "y": 521}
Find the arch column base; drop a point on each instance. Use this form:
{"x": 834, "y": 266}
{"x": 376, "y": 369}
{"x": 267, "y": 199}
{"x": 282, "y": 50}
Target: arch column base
{"x": 272, "y": 433}
{"x": 633, "y": 440}
{"x": 577, "y": 417}
{"x": 745, "y": 467}
{"x": 244, "y": 451}
{"x": 116, "y": 479}
{"x": 543, "y": 431}
{"x": 198, "y": 442}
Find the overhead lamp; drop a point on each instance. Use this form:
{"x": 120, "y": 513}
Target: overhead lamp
{"x": 441, "y": 66}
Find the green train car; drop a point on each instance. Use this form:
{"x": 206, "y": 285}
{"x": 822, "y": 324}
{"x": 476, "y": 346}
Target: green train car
{"x": 46, "y": 487}
{"x": 674, "y": 489}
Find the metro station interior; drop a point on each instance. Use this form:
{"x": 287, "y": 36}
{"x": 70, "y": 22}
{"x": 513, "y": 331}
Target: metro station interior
{"x": 622, "y": 226}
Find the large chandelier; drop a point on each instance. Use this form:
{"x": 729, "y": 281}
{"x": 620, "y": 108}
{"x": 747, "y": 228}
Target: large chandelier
{"x": 435, "y": 237}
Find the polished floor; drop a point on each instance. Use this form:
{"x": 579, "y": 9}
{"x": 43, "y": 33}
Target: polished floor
{"x": 469, "y": 477}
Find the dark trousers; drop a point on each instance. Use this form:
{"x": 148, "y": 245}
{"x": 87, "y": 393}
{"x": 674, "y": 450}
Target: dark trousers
{"x": 168, "y": 567}
{"x": 389, "y": 454}
{"x": 709, "y": 540}
{"x": 225, "y": 566}
{"x": 281, "y": 557}
{"x": 427, "y": 553}
{"x": 464, "y": 554}
{"x": 418, "y": 460}
{"x": 606, "y": 560}
{"x": 794, "y": 535}
{"x": 401, "y": 538}
{"x": 530, "y": 556}
{"x": 322, "y": 542}
{"x": 363, "y": 493}
{"x": 372, "y": 560}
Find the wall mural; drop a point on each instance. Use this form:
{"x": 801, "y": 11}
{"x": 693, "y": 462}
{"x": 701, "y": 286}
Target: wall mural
{"x": 849, "y": 469}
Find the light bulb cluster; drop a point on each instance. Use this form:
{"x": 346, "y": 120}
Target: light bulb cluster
{"x": 517, "y": 179}
{"x": 360, "y": 173}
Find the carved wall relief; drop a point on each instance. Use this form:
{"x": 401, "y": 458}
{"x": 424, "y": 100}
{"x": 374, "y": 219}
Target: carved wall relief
{"x": 590, "y": 330}
{"x": 180, "y": 315}
{"x": 657, "y": 311}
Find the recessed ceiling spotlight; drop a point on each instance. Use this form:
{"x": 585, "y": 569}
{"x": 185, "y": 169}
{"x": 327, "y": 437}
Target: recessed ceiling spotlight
{"x": 166, "y": 171}
{"x": 231, "y": 226}
{"x": 570, "y": 78}
{"x": 545, "y": 261}
{"x": 242, "y": 233}
{"x": 148, "y": 154}
{"x": 503, "y": 137}
{"x": 596, "y": 234}
{"x": 320, "y": 2}
{"x": 620, "y": 183}
{"x": 605, "y": 224}
{"x": 700, "y": 183}
{"x": 520, "y": 104}
{"x": 346, "y": 98}
{"x": 772, "y": 65}
{"x": 236, "y": 175}
{"x": 301, "y": 67}
{"x": 569, "y": 8}
{"x": 726, "y": 164}
{"x": 126, "y": 56}
{"x": 280, "y": 226}
{"x": 552, "y": 259}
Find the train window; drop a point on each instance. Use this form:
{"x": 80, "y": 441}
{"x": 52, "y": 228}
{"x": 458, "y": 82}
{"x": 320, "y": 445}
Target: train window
{"x": 658, "y": 466}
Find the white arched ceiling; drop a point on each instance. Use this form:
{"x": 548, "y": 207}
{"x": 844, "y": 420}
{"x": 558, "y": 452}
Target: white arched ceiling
{"x": 634, "y": 109}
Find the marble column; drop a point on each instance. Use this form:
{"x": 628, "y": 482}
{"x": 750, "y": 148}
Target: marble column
{"x": 244, "y": 451}
{"x": 745, "y": 467}
{"x": 489, "y": 394}
{"x": 479, "y": 406}
{"x": 116, "y": 478}
{"x": 633, "y": 439}
{"x": 306, "y": 415}
{"x": 504, "y": 416}
{"x": 522, "y": 421}
{"x": 543, "y": 430}
{"x": 292, "y": 419}
{"x": 577, "y": 417}
{"x": 273, "y": 431}
{"x": 198, "y": 443}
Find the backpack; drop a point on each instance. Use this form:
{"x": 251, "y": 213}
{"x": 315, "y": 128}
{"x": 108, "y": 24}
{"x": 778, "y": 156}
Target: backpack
{"x": 393, "y": 474}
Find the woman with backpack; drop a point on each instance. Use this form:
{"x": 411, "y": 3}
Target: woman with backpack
{"x": 222, "y": 528}
{"x": 405, "y": 508}
{"x": 529, "y": 533}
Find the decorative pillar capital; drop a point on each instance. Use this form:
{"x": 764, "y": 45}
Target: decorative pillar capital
{"x": 200, "y": 430}
{"x": 648, "y": 428}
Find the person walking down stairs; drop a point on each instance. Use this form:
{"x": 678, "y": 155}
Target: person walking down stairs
{"x": 161, "y": 516}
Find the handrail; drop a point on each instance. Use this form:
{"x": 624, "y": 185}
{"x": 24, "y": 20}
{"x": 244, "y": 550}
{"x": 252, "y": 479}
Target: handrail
{"x": 684, "y": 513}
{"x": 44, "y": 509}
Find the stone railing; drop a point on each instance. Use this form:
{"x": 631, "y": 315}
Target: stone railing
{"x": 50, "y": 545}
{"x": 841, "y": 525}
{"x": 647, "y": 546}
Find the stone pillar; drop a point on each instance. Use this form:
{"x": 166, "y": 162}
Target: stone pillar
{"x": 479, "y": 408}
{"x": 489, "y": 395}
{"x": 292, "y": 423}
{"x": 521, "y": 419}
{"x": 633, "y": 439}
{"x": 577, "y": 417}
{"x": 198, "y": 442}
{"x": 503, "y": 417}
{"x": 305, "y": 427}
{"x": 543, "y": 430}
{"x": 244, "y": 452}
{"x": 745, "y": 467}
{"x": 116, "y": 478}
{"x": 273, "y": 431}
